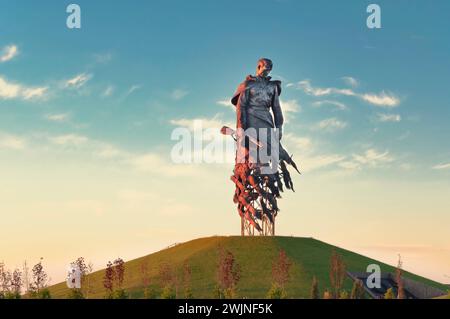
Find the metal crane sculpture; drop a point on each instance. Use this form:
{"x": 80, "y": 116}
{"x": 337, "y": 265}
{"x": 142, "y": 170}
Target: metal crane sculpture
{"x": 259, "y": 179}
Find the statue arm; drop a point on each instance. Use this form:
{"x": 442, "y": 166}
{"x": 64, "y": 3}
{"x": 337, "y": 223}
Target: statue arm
{"x": 276, "y": 109}
{"x": 241, "y": 110}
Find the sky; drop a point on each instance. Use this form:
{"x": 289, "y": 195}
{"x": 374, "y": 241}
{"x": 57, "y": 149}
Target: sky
{"x": 86, "y": 117}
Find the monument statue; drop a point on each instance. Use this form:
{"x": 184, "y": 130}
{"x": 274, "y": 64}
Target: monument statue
{"x": 260, "y": 171}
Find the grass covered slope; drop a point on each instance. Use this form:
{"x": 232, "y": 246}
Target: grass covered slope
{"x": 255, "y": 256}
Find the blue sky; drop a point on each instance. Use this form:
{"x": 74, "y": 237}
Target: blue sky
{"x": 364, "y": 106}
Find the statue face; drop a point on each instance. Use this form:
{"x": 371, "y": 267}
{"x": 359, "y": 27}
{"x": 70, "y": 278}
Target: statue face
{"x": 263, "y": 69}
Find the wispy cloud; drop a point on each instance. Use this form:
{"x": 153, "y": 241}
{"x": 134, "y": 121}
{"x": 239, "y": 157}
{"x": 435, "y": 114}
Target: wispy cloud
{"x": 133, "y": 89}
{"x": 383, "y": 117}
{"x": 306, "y": 86}
{"x": 103, "y": 58}
{"x": 78, "y": 81}
{"x": 204, "y": 123}
{"x": 226, "y": 103}
{"x": 8, "y": 53}
{"x": 12, "y": 142}
{"x": 351, "y": 81}
{"x": 289, "y": 107}
{"x": 10, "y": 90}
{"x": 108, "y": 91}
{"x": 336, "y": 104}
{"x": 370, "y": 158}
{"x": 442, "y": 166}
{"x": 311, "y": 156}
{"x": 330, "y": 125}
{"x": 60, "y": 117}
{"x": 178, "y": 94}
{"x": 383, "y": 99}
{"x": 69, "y": 140}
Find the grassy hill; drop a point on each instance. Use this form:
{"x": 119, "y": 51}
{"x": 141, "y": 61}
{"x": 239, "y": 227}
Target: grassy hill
{"x": 255, "y": 255}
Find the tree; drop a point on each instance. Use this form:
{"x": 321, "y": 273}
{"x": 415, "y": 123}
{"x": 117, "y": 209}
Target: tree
{"x": 85, "y": 270}
{"x": 149, "y": 290}
{"x": 167, "y": 281}
{"x": 108, "y": 279}
{"x": 281, "y": 270}
{"x": 113, "y": 279}
{"x": 119, "y": 265}
{"x": 40, "y": 281}
{"x": 389, "y": 294}
{"x": 145, "y": 277}
{"x": 5, "y": 280}
{"x": 399, "y": 279}
{"x": 16, "y": 283}
{"x": 337, "y": 273}
{"x": 228, "y": 274}
{"x": 315, "y": 293}
{"x": 357, "y": 290}
{"x": 187, "y": 277}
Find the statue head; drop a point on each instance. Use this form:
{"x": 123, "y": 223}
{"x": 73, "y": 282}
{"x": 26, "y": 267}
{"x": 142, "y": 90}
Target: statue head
{"x": 264, "y": 67}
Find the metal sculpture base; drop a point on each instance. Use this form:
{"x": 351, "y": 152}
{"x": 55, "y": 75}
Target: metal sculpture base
{"x": 247, "y": 229}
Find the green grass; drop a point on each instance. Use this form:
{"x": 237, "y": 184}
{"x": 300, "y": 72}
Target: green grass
{"x": 255, "y": 255}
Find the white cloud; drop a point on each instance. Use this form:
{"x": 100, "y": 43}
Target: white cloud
{"x": 154, "y": 163}
{"x": 108, "y": 91}
{"x": 383, "y": 99}
{"x": 12, "y": 142}
{"x": 9, "y": 90}
{"x": 442, "y": 166}
{"x": 226, "y": 103}
{"x": 78, "y": 81}
{"x": 306, "y": 86}
{"x": 61, "y": 117}
{"x": 69, "y": 140}
{"x": 373, "y": 158}
{"x": 178, "y": 94}
{"x": 370, "y": 158}
{"x": 132, "y": 89}
{"x": 350, "y": 81}
{"x": 203, "y": 123}
{"x": 289, "y": 107}
{"x": 103, "y": 58}
{"x": 382, "y": 117}
{"x": 302, "y": 144}
{"x": 310, "y": 157}
{"x": 34, "y": 93}
{"x": 330, "y": 125}
{"x": 8, "y": 53}
{"x": 338, "y": 105}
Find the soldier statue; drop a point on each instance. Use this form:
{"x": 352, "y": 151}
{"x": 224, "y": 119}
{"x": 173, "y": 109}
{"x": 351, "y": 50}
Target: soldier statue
{"x": 260, "y": 170}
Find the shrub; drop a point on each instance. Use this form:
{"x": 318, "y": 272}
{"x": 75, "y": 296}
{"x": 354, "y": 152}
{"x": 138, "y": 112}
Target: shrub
{"x": 343, "y": 295}
{"x": 120, "y": 294}
{"x": 357, "y": 290}
{"x": 168, "y": 293}
{"x": 389, "y": 294}
{"x": 150, "y": 293}
{"x": 75, "y": 294}
{"x": 276, "y": 292}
